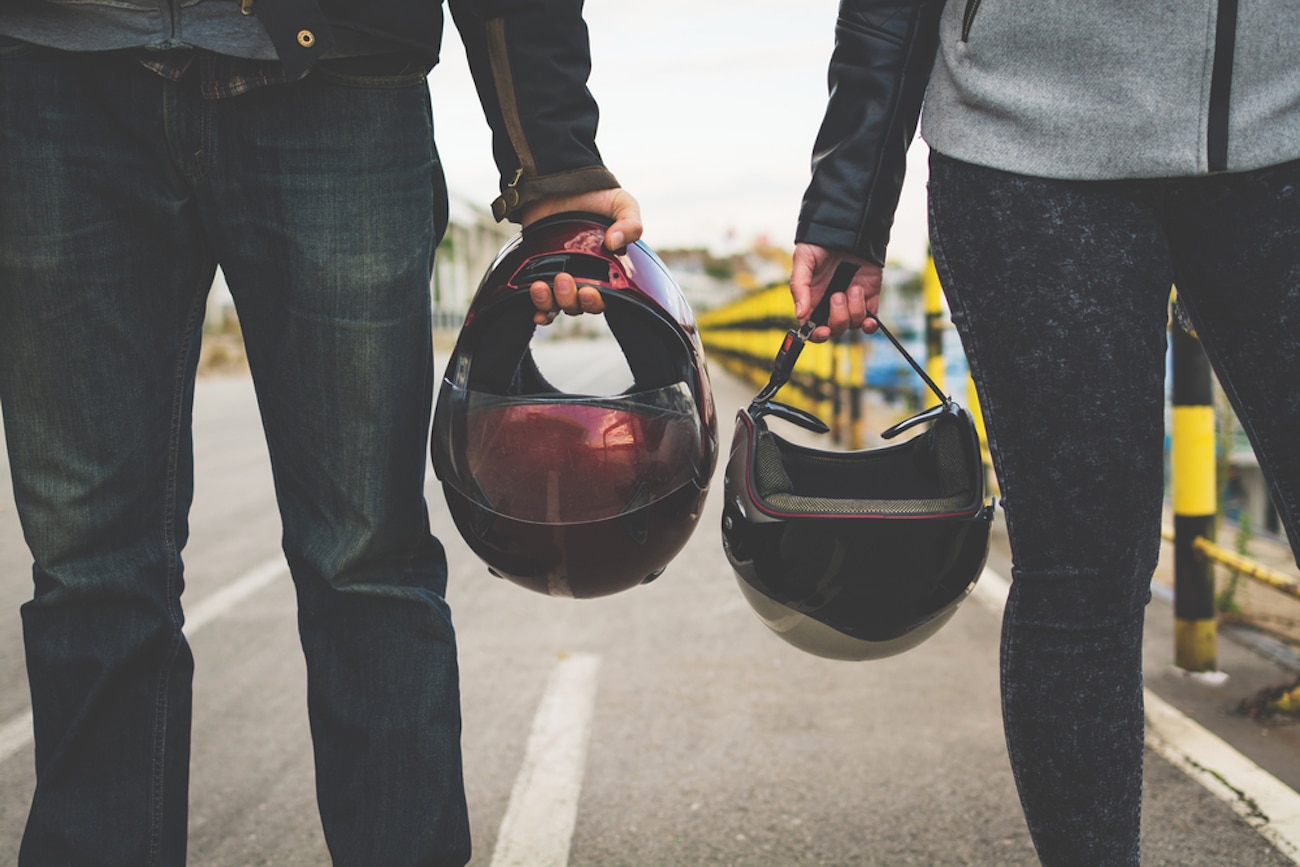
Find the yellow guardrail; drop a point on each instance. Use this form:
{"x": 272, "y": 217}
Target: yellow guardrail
{"x": 830, "y": 379}
{"x": 1274, "y": 578}
{"x": 743, "y": 337}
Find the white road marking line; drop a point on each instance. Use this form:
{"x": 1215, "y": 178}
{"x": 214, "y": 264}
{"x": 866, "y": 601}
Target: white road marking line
{"x": 1266, "y": 803}
{"x": 218, "y": 603}
{"x": 538, "y": 824}
{"x": 16, "y": 733}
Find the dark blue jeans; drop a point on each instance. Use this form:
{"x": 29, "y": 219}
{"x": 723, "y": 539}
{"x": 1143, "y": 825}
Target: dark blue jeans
{"x": 120, "y": 192}
{"x": 1060, "y": 291}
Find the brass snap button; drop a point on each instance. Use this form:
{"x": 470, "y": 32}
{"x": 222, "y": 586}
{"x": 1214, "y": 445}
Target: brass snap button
{"x": 306, "y": 38}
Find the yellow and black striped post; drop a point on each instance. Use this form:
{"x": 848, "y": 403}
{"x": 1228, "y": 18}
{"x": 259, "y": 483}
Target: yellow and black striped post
{"x": 977, "y": 415}
{"x": 932, "y": 296}
{"x": 1195, "y": 505}
{"x": 857, "y": 380}
{"x": 839, "y": 361}
{"x": 823, "y": 385}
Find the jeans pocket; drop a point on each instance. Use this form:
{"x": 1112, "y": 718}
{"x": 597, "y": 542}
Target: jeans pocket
{"x": 397, "y": 69}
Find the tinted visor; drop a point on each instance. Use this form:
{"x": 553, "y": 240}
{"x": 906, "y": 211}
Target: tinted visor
{"x": 556, "y": 459}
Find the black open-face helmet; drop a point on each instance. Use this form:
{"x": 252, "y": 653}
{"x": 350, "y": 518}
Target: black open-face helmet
{"x": 855, "y": 555}
{"x": 576, "y": 495}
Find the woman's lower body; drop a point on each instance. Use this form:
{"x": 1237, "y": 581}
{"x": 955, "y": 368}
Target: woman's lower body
{"x": 1060, "y": 291}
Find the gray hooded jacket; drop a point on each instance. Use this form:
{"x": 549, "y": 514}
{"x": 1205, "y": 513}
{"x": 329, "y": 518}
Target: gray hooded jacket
{"x": 1094, "y": 89}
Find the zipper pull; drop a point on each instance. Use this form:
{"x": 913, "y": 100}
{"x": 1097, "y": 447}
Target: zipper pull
{"x": 246, "y": 7}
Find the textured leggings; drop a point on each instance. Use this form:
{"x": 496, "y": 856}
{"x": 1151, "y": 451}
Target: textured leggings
{"x": 1060, "y": 292}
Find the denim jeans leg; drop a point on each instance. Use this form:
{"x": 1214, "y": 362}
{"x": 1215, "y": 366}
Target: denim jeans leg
{"x": 1059, "y": 291}
{"x": 103, "y": 274}
{"x": 323, "y": 197}
{"x": 1236, "y": 243}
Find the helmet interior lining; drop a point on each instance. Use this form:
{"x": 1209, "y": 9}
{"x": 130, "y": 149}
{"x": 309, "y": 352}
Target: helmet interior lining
{"x": 926, "y": 475}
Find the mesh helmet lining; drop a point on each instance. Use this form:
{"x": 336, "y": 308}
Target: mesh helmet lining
{"x": 929, "y": 474}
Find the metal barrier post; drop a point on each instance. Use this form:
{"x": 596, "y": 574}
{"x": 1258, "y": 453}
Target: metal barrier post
{"x": 857, "y": 379}
{"x": 932, "y": 294}
{"x": 838, "y": 361}
{"x": 824, "y": 380}
{"x": 1195, "y": 505}
{"x": 977, "y": 414}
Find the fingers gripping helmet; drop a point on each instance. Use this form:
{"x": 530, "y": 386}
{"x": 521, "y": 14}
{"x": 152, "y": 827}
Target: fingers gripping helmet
{"x": 568, "y": 494}
{"x": 855, "y": 555}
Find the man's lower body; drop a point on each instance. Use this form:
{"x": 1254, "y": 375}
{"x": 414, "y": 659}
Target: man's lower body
{"x": 1060, "y": 292}
{"x": 120, "y": 192}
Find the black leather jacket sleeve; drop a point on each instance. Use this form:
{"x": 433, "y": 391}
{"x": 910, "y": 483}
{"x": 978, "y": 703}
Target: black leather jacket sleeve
{"x": 530, "y": 60}
{"x": 884, "y": 51}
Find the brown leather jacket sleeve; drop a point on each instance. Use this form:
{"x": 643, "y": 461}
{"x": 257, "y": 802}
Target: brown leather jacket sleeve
{"x": 530, "y": 60}
{"x": 884, "y": 51}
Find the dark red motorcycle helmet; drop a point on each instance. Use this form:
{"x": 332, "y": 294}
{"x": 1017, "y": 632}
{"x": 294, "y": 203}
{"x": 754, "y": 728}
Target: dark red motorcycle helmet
{"x": 855, "y": 555}
{"x": 576, "y": 495}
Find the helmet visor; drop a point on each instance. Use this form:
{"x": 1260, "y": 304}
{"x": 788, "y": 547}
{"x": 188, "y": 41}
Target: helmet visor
{"x": 559, "y": 459}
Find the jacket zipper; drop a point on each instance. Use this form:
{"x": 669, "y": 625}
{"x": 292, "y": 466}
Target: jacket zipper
{"x": 1225, "y": 39}
{"x": 968, "y": 18}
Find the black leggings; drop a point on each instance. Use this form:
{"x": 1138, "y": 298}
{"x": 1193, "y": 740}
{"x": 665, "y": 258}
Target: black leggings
{"x": 1060, "y": 291}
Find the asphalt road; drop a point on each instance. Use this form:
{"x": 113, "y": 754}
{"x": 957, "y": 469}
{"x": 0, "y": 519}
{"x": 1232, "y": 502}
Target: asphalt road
{"x": 690, "y": 735}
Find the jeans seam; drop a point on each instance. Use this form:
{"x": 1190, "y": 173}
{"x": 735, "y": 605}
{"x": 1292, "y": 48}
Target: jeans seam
{"x": 989, "y": 411}
{"x": 370, "y": 82}
{"x": 172, "y": 551}
{"x": 203, "y": 158}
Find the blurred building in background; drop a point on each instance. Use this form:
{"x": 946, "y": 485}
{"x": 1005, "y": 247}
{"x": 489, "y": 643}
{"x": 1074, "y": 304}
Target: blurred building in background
{"x": 467, "y": 249}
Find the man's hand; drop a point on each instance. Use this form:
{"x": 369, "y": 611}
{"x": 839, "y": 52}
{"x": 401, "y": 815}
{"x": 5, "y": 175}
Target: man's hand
{"x": 856, "y": 308}
{"x": 566, "y": 295}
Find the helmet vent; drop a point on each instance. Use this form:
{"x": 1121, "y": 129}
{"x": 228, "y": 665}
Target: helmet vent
{"x": 581, "y": 266}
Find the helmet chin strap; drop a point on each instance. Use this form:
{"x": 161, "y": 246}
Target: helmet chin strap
{"x": 945, "y": 399}
{"x": 796, "y": 338}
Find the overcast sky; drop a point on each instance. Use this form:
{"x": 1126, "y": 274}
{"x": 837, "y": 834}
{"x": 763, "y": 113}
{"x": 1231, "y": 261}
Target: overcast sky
{"x": 738, "y": 91}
